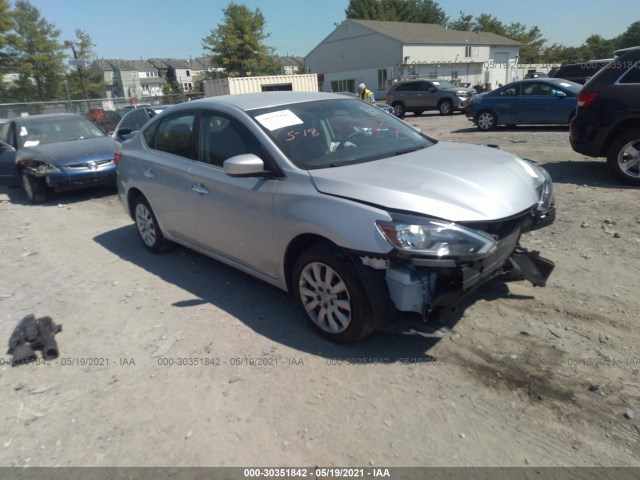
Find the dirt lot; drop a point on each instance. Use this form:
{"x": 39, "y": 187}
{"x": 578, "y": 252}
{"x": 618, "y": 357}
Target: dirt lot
{"x": 527, "y": 376}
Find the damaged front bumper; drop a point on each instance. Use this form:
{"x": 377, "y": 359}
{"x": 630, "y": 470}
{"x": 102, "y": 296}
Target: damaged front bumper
{"x": 424, "y": 284}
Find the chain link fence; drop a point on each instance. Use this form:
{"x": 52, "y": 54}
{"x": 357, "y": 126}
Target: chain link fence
{"x": 83, "y": 107}
{"x": 105, "y": 113}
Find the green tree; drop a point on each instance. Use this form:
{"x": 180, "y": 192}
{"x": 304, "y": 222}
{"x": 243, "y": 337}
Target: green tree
{"x": 237, "y": 44}
{"x": 365, "y": 10}
{"x": 531, "y": 40}
{"x": 464, "y": 23}
{"x": 172, "y": 92}
{"x": 630, "y": 38}
{"x": 38, "y": 55}
{"x": 5, "y": 39}
{"x": 431, "y": 12}
{"x": 595, "y": 46}
{"x": 486, "y": 22}
{"x": 84, "y": 82}
{"x": 417, "y": 11}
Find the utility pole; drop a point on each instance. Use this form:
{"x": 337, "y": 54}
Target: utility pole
{"x": 66, "y": 87}
{"x": 70, "y": 44}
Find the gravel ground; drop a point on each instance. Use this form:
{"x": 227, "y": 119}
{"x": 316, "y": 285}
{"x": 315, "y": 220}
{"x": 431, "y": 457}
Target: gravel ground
{"x": 177, "y": 360}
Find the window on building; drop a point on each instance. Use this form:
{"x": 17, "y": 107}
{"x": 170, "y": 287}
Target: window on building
{"x": 343, "y": 86}
{"x": 382, "y": 79}
{"x": 467, "y": 51}
{"x": 188, "y": 73}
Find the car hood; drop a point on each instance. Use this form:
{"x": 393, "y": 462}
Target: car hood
{"x": 468, "y": 91}
{"x": 68, "y": 153}
{"x": 452, "y": 181}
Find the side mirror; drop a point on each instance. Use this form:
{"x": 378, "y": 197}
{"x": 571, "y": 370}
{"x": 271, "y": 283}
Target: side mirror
{"x": 5, "y": 147}
{"x": 246, "y": 165}
{"x": 560, "y": 94}
{"x": 433, "y": 89}
{"x": 123, "y": 131}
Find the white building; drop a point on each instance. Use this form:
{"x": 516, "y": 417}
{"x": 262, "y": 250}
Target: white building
{"x": 378, "y": 52}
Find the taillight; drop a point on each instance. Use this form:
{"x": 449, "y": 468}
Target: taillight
{"x": 116, "y": 158}
{"x": 586, "y": 98}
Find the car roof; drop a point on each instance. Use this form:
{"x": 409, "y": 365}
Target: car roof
{"x": 422, "y": 80}
{"x": 587, "y": 62}
{"x": 543, "y": 80}
{"x": 253, "y": 101}
{"x": 622, "y": 51}
{"x": 45, "y": 116}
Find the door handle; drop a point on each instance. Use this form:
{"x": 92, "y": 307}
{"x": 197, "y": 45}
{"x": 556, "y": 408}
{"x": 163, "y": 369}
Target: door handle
{"x": 199, "y": 189}
{"x": 149, "y": 174}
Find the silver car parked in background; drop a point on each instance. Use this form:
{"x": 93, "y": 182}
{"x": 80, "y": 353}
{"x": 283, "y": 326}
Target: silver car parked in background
{"x": 351, "y": 210}
{"x": 419, "y": 95}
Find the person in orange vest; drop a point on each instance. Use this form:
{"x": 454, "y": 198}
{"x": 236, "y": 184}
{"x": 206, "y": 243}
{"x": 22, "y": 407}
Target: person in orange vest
{"x": 365, "y": 94}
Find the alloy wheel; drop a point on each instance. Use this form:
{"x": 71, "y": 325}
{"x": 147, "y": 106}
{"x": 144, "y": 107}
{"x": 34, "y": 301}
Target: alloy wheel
{"x": 486, "y": 121}
{"x": 146, "y": 225}
{"x": 629, "y": 159}
{"x": 325, "y": 297}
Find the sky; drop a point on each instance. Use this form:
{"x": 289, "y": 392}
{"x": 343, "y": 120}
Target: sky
{"x": 141, "y": 29}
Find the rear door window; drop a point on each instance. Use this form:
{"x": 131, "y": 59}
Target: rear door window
{"x": 175, "y": 135}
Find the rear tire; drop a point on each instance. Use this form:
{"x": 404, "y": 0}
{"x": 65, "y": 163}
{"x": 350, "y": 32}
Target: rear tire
{"x": 623, "y": 158}
{"x": 148, "y": 228}
{"x": 34, "y": 187}
{"x": 398, "y": 108}
{"x": 331, "y": 293}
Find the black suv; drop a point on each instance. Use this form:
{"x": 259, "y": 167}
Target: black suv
{"x": 607, "y": 120}
{"x": 580, "y": 72}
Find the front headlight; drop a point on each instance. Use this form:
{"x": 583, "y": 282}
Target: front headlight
{"x": 45, "y": 169}
{"x": 436, "y": 238}
{"x": 547, "y": 200}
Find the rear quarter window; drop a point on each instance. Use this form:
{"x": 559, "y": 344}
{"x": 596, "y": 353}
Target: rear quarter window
{"x": 407, "y": 87}
{"x": 632, "y": 76}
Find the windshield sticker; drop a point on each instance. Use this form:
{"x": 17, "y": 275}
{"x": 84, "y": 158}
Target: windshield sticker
{"x": 565, "y": 84}
{"x": 23, "y": 131}
{"x": 31, "y": 143}
{"x": 276, "y": 120}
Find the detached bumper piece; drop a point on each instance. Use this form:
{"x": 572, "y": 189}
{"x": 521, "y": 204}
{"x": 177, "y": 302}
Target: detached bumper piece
{"x": 531, "y": 266}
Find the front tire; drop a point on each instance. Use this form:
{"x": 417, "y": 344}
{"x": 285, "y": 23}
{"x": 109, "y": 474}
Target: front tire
{"x": 486, "y": 120}
{"x": 623, "y": 158}
{"x": 445, "y": 107}
{"x": 34, "y": 187}
{"x": 147, "y": 226}
{"x": 329, "y": 290}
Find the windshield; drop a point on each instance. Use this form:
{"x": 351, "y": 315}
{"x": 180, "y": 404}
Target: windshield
{"x": 54, "y": 130}
{"x": 332, "y": 133}
{"x": 443, "y": 84}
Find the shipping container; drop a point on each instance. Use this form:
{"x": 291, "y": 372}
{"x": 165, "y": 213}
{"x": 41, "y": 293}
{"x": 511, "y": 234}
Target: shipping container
{"x": 236, "y": 85}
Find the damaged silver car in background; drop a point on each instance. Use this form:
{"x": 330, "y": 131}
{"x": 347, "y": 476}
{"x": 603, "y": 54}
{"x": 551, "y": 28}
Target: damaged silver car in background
{"x": 354, "y": 212}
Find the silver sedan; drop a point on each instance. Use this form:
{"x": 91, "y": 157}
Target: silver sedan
{"x": 354, "y": 212}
